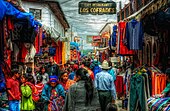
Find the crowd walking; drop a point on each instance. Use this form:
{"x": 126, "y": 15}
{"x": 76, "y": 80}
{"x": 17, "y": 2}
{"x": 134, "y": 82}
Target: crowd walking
{"x": 73, "y": 87}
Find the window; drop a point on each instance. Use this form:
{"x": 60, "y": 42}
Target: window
{"x": 139, "y": 4}
{"x": 36, "y": 13}
{"x": 123, "y": 15}
{"x": 127, "y": 12}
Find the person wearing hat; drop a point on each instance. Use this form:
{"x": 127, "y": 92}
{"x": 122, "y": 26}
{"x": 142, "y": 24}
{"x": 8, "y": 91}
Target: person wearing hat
{"x": 104, "y": 83}
{"x": 13, "y": 89}
{"x": 53, "y": 95}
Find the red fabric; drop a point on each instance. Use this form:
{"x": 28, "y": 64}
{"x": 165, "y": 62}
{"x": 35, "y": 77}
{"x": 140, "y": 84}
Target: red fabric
{"x": 37, "y": 43}
{"x": 90, "y": 72}
{"x": 13, "y": 86}
{"x": 123, "y": 50}
{"x": 39, "y": 87}
{"x": 10, "y": 24}
{"x": 40, "y": 37}
{"x": 8, "y": 60}
{"x": 23, "y": 53}
{"x": 119, "y": 84}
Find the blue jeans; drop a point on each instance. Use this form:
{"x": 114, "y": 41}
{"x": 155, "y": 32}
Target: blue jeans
{"x": 14, "y": 105}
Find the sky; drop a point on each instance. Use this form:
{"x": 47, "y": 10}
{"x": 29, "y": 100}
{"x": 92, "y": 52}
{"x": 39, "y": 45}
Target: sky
{"x": 84, "y": 25}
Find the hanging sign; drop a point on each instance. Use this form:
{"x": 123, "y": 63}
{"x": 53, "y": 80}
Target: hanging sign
{"x": 97, "y": 8}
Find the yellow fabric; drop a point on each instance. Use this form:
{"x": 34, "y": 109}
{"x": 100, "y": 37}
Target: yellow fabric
{"x": 63, "y": 53}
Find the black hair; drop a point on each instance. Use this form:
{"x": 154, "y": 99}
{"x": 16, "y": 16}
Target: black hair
{"x": 110, "y": 63}
{"x": 29, "y": 77}
{"x": 14, "y": 71}
{"x": 62, "y": 73}
{"x": 29, "y": 70}
{"x": 87, "y": 63}
{"x": 39, "y": 78}
{"x": 88, "y": 84}
{"x": 42, "y": 67}
{"x": 167, "y": 72}
{"x": 111, "y": 107}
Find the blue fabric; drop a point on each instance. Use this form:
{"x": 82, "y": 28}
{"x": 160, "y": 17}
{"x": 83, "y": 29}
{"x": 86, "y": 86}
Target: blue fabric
{"x": 53, "y": 78}
{"x": 96, "y": 70}
{"x": 104, "y": 81}
{"x": 2, "y": 9}
{"x": 114, "y": 36}
{"x": 75, "y": 45}
{"x": 7, "y": 9}
{"x": 134, "y": 35}
{"x": 112, "y": 73}
{"x": 71, "y": 75}
{"x": 52, "y": 51}
{"x": 14, "y": 105}
{"x": 2, "y": 81}
{"x": 46, "y": 93}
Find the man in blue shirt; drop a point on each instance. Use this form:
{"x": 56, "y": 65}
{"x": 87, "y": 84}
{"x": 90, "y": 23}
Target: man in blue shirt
{"x": 104, "y": 83}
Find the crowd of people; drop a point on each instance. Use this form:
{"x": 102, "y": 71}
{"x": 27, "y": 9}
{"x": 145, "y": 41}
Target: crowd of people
{"x": 87, "y": 85}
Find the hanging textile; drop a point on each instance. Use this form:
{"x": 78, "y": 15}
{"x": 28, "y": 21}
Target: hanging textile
{"x": 113, "y": 37}
{"x": 134, "y": 35}
{"x": 7, "y": 9}
{"x": 158, "y": 82}
{"x": 121, "y": 48}
{"x": 64, "y": 53}
{"x": 138, "y": 97}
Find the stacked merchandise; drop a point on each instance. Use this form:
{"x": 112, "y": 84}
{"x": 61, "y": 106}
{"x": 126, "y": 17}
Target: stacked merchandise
{"x": 159, "y": 101}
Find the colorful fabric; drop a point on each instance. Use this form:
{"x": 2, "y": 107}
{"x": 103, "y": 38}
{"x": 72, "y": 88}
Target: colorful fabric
{"x": 46, "y": 94}
{"x": 104, "y": 82}
{"x": 68, "y": 84}
{"x": 158, "y": 104}
{"x": 121, "y": 48}
{"x": 27, "y": 102}
{"x": 13, "y": 86}
{"x": 39, "y": 87}
{"x": 57, "y": 102}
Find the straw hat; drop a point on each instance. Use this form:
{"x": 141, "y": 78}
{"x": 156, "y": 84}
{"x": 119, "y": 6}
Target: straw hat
{"x": 105, "y": 65}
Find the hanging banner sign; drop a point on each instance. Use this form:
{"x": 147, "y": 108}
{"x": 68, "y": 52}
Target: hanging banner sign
{"x": 97, "y": 8}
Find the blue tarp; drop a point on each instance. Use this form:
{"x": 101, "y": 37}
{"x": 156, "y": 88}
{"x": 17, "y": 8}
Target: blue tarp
{"x": 7, "y": 9}
{"x": 74, "y": 44}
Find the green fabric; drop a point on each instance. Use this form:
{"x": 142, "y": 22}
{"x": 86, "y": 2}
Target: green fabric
{"x": 105, "y": 98}
{"x": 26, "y": 102}
{"x": 167, "y": 89}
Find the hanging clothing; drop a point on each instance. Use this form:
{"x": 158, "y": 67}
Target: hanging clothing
{"x": 7, "y": 9}
{"x": 121, "y": 47}
{"x": 137, "y": 93}
{"x": 113, "y": 37}
{"x": 134, "y": 35}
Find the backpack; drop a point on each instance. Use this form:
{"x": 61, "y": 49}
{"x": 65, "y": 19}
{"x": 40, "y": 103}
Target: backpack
{"x": 35, "y": 93}
{"x": 96, "y": 69}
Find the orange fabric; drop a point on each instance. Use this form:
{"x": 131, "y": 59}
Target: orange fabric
{"x": 158, "y": 83}
{"x": 90, "y": 72}
{"x": 68, "y": 84}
